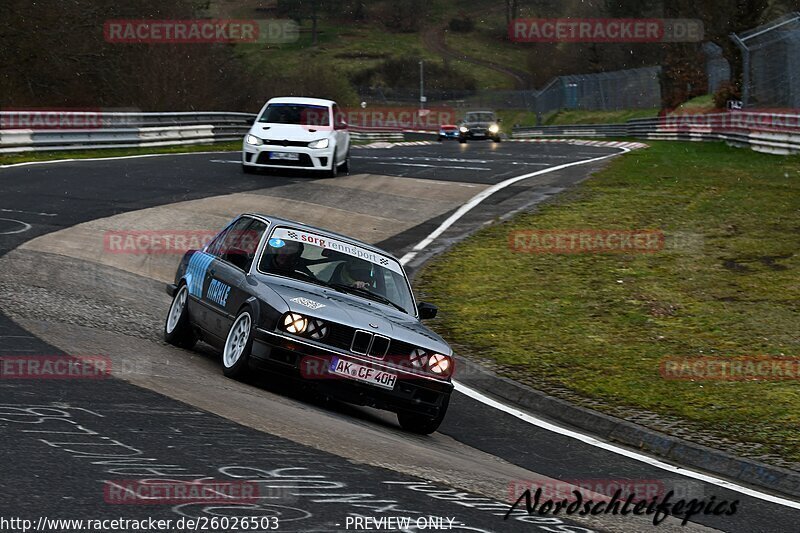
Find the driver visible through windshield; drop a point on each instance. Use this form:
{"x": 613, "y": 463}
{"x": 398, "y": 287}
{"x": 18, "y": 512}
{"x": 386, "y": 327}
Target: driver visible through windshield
{"x": 336, "y": 264}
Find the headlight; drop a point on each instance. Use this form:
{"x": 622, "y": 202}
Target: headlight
{"x": 439, "y": 364}
{"x": 301, "y": 325}
{"x": 295, "y": 323}
{"x": 252, "y": 139}
{"x": 494, "y": 128}
{"x": 463, "y": 129}
{"x": 319, "y": 143}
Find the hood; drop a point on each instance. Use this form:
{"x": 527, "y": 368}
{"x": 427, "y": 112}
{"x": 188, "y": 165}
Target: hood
{"x": 334, "y": 306}
{"x": 292, "y": 132}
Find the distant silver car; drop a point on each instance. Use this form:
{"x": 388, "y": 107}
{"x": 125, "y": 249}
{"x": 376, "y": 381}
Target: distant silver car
{"x": 306, "y": 302}
{"x": 300, "y": 133}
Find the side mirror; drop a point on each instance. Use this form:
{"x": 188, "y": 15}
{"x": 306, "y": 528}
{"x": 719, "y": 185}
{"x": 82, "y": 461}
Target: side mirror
{"x": 341, "y": 125}
{"x": 499, "y": 120}
{"x": 250, "y": 121}
{"x": 426, "y": 310}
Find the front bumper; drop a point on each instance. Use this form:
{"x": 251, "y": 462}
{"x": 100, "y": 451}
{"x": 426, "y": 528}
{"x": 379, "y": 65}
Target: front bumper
{"x": 415, "y": 393}
{"x": 307, "y": 158}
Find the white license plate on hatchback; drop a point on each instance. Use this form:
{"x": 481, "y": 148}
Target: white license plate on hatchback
{"x": 363, "y": 373}
{"x": 285, "y": 156}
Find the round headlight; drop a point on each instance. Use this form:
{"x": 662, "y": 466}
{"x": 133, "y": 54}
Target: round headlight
{"x": 439, "y": 364}
{"x": 494, "y": 128}
{"x": 317, "y": 329}
{"x": 294, "y": 323}
{"x": 419, "y": 359}
{"x": 463, "y": 129}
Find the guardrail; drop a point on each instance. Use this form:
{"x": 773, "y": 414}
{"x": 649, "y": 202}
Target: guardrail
{"x": 774, "y": 133}
{"x": 98, "y": 130}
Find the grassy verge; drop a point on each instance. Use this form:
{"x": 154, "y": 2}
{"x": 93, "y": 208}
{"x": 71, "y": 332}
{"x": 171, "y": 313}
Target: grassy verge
{"x": 8, "y": 159}
{"x": 599, "y": 117}
{"x": 599, "y": 325}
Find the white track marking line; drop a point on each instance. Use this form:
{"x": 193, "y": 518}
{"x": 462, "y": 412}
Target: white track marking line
{"x": 530, "y": 419}
{"x": 597, "y": 443}
{"x": 29, "y": 212}
{"x": 433, "y": 166}
{"x": 80, "y": 159}
{"x": 478, "y": 198}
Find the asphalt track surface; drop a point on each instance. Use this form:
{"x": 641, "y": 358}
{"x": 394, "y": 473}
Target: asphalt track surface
{"x": 317, "y": 462}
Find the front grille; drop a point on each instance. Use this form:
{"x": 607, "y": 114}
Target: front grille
{"x": 303, "y": 161}
{"x": 284, "y": 142}
{"x": 339, "y": 336}
{"x": 401, "y": 349}
{"x": 361, "y": 342}
{"x": 380, "y": 345}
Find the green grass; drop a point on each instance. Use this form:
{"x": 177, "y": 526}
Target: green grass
{"x": 698, "y": 104}
{"x": 8, "y": 159}
{"x": 599, "y": 117}
{"x": 725, "y": 284}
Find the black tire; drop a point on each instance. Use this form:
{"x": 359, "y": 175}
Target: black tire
{"x": 345, "y": 168}
{"x": 238, "y": 368}
{"x": 422, "y": 425}
{"x": 334, "y": 171}
{"x": 181, "y": 335}
{"x": 497, "y": 139}
{"x": 462, "y": 140}
{"x": 441, "y": 138}
{"x": 247, "y": 169}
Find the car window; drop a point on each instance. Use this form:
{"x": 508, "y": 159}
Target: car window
{"x": 301, "y": 114}
{"x": 326, "y": 261}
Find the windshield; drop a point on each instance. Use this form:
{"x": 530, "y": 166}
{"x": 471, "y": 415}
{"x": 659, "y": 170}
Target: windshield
{"x": 480, "y": 117}
{"x": 301, "y": 114}
{"x": 336, "y": 264}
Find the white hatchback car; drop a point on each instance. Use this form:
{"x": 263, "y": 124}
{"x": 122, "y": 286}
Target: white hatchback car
{"x": 302, "y": 133}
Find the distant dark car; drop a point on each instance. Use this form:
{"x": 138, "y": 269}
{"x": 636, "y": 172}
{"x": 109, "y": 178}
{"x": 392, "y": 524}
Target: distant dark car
{"x": 480, "y": 125}
{"x": 448, "y": 131}
{"x": 333, "y": 311}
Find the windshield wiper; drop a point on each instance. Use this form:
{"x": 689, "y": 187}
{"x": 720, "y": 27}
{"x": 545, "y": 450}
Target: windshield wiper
{"x": 368, "y": 294}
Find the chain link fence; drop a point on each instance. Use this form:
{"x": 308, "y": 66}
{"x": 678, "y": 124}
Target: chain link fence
{"x": 771, "y": 63}
{"x": 638, "y": 88}
{"x": 718, "y": 70}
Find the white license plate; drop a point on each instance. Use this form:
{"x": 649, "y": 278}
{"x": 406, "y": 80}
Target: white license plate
{"x": 363, "y": 373}
{"x": 286, "y": 156}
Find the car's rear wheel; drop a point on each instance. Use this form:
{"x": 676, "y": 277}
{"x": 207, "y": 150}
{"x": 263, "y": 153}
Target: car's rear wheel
{"x": 177, "y": 329}
{"x": 239, "y": 343}
{"x": 422, "y": 425}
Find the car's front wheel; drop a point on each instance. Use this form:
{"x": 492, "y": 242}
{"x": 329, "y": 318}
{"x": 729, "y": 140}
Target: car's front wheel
{"x": 334, "y": 170}
{"x": 423, "y": 425}
{"x": 248, "y": 169}
{"x": 346, "y": 165}
{"x": 236, "y": 353}
{"x": 462, "y": 140}
{"x": 177, "y": 329}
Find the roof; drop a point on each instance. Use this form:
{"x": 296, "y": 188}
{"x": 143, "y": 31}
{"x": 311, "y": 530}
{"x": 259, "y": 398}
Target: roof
{"x": 285, "y": 221}
{"x": 300, "y": 100}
